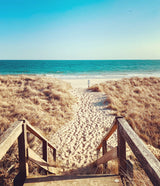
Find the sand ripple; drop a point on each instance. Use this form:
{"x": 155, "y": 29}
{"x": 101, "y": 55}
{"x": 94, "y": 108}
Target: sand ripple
{"x": 76, "y": 141}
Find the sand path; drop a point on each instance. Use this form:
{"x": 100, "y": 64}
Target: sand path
{"x": 76, "y": 141}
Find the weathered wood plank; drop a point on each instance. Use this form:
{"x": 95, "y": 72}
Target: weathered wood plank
{"x": 104, "y": 150}
{"x": 80, "y": 180}
{"x": 104, "y": 147}
{"x": 121, "y": 153}
{"x": 54, "y": 154}
{"x": 45, "y": 150}
{"x": 129, "y": 172}
{"x": 9, "y": 137}
{"x": 149, "y": 162}
{"x": 109, "y": 133}
{"x": 23, "y": 159}
{"x": 110, "y": 155}
{"x": 38, "y": 134}
{"x": 39, "y": 161}
{"x": 22, "y": 148}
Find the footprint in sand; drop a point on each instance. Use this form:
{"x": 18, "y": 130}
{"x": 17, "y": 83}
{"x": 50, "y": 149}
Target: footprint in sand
{"x": 77, "y": 140}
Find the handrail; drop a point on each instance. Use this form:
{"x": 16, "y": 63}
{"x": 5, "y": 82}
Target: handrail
{"x": 109, "y": 133}
{"x": 39, "y": 161}
{"x": 9, "y": 137}
{"x": 31, "y": 129}
{"x": 46, "y": 143}
{"x": 110, "y": 155}
{"x": 149, "y": 162}
{"x": 18, "y": 130}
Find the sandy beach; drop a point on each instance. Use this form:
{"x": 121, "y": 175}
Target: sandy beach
{"x": 85, "y": 83}
{"x": 76, "y": 141}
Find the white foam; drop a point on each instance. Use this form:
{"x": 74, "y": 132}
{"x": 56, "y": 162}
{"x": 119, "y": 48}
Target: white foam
{"x": 103, "y": 76}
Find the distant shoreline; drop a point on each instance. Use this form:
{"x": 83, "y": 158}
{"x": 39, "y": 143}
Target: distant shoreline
{"x": 110, "y": 76}
{"x": 85, "y": 81}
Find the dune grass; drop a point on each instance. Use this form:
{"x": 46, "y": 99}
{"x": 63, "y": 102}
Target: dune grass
{"x": 138, "y": 100}
{"x": 44, "y": 102}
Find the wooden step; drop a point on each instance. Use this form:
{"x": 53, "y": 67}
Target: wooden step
{"x": 91, "y": 180}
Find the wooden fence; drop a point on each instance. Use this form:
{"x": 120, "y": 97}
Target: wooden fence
{"x": 125, "y": 133}
{"x": 18, "y": 130}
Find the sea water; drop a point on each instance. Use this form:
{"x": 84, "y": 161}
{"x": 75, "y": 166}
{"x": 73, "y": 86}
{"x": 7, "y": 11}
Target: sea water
{"x": 98, "y": 69}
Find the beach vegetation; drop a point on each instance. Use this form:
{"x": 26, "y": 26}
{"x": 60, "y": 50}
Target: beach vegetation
{"x": 47, "y": 105}
{"x": 138, "y": 100}
{"x": 44, "y": 102}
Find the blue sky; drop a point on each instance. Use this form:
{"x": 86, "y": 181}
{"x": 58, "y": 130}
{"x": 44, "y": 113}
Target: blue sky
{"x": 83, "y": 29}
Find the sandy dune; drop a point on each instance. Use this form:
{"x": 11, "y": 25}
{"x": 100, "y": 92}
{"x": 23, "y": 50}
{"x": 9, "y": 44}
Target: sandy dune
{"x": 76, "y": 142}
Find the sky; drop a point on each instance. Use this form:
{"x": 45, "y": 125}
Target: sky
{"x": 83, "y": 29}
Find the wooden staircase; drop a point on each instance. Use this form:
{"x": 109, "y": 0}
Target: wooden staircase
{"x": 89, "y": 180}
{"x": 19, "y": 130}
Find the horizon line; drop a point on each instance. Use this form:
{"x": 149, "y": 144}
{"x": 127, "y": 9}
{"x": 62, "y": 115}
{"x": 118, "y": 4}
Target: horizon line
{"x": 72, "y": 59}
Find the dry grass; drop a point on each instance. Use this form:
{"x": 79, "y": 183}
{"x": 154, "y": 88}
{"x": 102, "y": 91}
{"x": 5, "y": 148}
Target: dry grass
{"x": 45, "y": 102}
{"x": 138, "y": 100}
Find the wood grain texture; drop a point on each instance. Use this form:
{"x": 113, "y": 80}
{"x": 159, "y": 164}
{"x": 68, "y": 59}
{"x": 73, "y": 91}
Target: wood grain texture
{"x": 38, "y": 134}
{"x": 121, "y": 153}
{"x": 110, "y": 155}
{"x": 149, "y": 162}
{"x": 9, "y": 137}
{"x": 23, "y": 156}
{"x": 39, "y": 161}
{"x": 79, "y": 180}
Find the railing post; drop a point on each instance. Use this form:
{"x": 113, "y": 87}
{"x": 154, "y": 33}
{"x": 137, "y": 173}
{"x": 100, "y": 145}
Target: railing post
{"x": 121, "y": 153}
{"x": 23, "y": 157}
{"x": 129, "y": 172}
{"x": 104, "y": 150}
{"x": 45, "y": 152}
{"x": 54, "y": 154}
{"x": 98, "y": 153}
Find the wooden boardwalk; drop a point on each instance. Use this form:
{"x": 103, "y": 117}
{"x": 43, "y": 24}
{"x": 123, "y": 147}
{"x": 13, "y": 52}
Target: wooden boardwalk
{"x": 19, "y": 131}
{"x": 92, "y": 180}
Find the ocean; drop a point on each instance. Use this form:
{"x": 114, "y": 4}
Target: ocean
{"x": 98, "y": 69}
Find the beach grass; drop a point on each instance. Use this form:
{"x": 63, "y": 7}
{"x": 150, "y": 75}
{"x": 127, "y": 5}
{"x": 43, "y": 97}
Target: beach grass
{"x": 138, "y": 100}
{"x": 44, "y": 102}
{"x": 47, "y": 104}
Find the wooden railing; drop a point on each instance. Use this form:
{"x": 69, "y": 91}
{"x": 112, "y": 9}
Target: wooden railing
{"x": 19, "y": 130}
{"x": 125, "y": 133}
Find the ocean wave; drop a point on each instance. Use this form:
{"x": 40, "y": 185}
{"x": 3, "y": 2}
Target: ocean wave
{"x": 102, "y": 76}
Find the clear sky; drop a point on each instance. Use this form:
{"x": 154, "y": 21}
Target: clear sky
{"x": 79, "y": 29}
